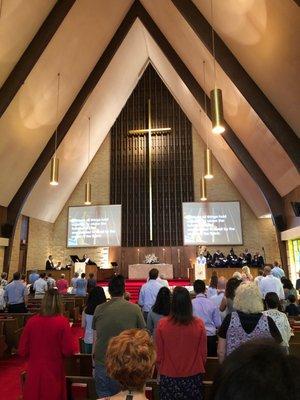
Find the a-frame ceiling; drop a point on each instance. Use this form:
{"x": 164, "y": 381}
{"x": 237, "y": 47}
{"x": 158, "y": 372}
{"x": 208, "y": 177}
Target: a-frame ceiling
{"x": 29, "y": 121}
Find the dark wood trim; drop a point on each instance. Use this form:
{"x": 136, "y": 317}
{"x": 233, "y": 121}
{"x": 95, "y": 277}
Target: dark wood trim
{"x": 272, "y": 196}
{"x": 277, "y": 125}
{"x": 33, "y": 52}
{"x": 3, "y": 215}
{"x": 282, "y": 246}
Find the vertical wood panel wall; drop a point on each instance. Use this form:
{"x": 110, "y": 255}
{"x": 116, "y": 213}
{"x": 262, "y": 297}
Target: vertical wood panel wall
{"x": 172, "y": 165}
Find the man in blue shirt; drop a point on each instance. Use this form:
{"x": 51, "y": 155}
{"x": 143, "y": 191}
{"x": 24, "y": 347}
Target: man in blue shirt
{"x": 34, "y": 276}
{"x": 149, "y": 292}
{"x": 207, "y": 310}
{"x": 16, "y": 295}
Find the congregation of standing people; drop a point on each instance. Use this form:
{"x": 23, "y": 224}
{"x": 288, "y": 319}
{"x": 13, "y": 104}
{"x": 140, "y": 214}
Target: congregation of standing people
{"x": 170, "y": 331}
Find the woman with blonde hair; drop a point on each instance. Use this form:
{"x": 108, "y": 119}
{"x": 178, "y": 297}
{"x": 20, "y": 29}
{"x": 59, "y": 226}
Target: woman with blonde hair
{"x": 246, "y": 274}
{"x": 46, "y": 340}
{"x": 246, "y": 323}
{"x": 130, "y": 360}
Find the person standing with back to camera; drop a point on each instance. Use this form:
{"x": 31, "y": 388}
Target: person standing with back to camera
{"x": 46, "y": 340}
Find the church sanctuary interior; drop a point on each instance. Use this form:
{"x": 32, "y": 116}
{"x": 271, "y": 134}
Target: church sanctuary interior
{"x": 143, "y": 143}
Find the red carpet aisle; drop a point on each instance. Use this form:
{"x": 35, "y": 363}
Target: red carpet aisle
{"x": 10, "y": 370}
{"x": 134, "y": 286}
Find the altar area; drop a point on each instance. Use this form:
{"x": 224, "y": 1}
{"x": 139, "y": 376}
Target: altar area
{"x": 141, "y": 271}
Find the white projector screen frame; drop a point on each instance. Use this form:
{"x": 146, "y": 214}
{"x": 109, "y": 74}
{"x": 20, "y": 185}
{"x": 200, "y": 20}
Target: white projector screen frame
{"x": 103, "y": 244}
{"x": 235, "y": 204}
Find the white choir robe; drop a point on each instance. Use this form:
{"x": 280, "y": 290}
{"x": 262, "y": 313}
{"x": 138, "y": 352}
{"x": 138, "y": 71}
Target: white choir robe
{"x": 200, "y": 268}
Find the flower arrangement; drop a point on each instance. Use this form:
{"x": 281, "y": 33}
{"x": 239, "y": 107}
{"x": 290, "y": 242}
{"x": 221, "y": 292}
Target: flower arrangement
{"x": 151, "y": 259}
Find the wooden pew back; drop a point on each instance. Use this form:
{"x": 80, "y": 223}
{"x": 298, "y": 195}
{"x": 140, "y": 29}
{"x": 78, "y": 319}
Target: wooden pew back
{"x": 79, "y": 365}
{"x": 211, "y": 367}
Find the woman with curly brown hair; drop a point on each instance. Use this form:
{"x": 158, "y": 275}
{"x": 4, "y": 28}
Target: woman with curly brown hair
{"x": 130, "y": 360}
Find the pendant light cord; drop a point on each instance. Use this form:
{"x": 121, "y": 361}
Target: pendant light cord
{"x": 213, "y": 40}
{"x": 57, "y": 105}
{"x": 205, "y": 101}
{"x": 89, "y": 144}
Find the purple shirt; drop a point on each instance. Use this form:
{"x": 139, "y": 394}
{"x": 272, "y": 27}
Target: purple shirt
{"x": 205, "y": 309}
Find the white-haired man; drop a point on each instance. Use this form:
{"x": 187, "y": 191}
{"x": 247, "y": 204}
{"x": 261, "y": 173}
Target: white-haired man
{"x": 271, "y": 284}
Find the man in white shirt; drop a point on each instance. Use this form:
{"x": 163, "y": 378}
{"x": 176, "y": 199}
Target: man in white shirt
{"x": 162, "y": 280}
{"x": 277, "y": 271}
{"x": 271, "y": 284}
{"x": 40, "y": 286}
{"x": 217, "y": 298}
{"x": 259, "y": 277}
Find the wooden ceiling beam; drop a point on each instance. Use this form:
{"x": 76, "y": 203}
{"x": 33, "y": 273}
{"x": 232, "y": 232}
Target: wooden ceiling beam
{"x": 33, "y": 52}
{"x": 273, "y": 120}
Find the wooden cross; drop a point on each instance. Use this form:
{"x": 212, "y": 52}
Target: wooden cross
{"x": 149, "y": 131}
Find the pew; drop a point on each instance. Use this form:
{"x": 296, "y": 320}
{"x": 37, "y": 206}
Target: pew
{"x": 207, "y": 385}
{"x": 295, "y": 338}
{"x": 152, "y": 389}
{"x": 3, "y": 345}
{"x": 12, "y": 327}
{"x": 12, "y": 333}
{"x": 71, "y": 306}
{"x": 294, "y": 349}
{"x": 211, "y": 368}
{"x": 79, "y": 365}
{"x": 81, "y": 345}
{"x": 84, "y": 382}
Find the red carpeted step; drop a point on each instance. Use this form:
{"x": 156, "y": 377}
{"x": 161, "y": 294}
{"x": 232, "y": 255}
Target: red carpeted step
{"x": 134, "y": 286}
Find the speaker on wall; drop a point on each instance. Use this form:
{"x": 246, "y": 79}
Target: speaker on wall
{"x": 296, "y": 207}
{"x": 6, "y": 230}
{"x": 279, "y": 222}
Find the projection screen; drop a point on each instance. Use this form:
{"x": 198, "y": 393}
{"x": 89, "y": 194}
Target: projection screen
{"x": 212, "y": 223}
{"x": 91, "y": 226}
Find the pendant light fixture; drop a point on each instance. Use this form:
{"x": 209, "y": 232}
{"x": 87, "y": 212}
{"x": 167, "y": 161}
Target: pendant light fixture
{"x": 216, "y": 102}
{"x": 208, "y": 174}
{"x": 203, "y": 189}
{"x": 54, "y": 169}
{"x": 88, "y": 187}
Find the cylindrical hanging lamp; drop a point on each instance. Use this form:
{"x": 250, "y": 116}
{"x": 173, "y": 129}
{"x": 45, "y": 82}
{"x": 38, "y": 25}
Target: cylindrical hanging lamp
{"x": 217, "y": 118}
{"x": 203, "y": 189}
{"x": 216, "y": 101}
{"x": 208, "y": 164}
{"x": 88, "y": 194}
{"x": 54, "y": 171}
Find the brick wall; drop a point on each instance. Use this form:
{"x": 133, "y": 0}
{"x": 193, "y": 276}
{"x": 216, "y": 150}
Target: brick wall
{"x": 99, "y": 174}
{"x": 40, "y": 238}
{"x": 14, "y": 261}
{"x": 257, "y": 233}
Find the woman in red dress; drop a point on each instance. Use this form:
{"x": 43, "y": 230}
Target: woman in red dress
{"x": 46, "y": 341}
